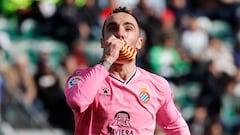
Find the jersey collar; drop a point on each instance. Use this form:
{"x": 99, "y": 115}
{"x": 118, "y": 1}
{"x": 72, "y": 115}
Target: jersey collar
{"x": 122, "y": 81}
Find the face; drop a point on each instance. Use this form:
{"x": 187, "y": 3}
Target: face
{"x": 123, "y": 25}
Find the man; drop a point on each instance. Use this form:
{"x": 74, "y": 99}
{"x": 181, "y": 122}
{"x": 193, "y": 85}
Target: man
{"x": 115, "y": 97}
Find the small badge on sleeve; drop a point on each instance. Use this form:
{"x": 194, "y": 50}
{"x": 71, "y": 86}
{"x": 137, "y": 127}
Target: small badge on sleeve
{"x": 73, "y": 81}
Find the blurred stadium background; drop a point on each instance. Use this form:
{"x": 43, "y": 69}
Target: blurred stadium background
{"x": 195, "y": 44}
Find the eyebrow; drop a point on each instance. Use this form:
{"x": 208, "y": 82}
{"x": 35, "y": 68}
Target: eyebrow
{"x": 111, "y": 24}
{"x": 114, "y": 23}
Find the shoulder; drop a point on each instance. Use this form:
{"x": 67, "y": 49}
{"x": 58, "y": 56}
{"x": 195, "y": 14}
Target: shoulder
{"x": 79, "y": 72}
{"x": 84, "y": 71}
{"x": 75, "y": 77}
{"x": 152, "y": 78}
{"x": 158, "y": 84}
{"x": 150, "y": 75}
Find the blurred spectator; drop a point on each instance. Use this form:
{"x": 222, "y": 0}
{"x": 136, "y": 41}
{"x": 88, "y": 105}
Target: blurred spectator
{"x": 168, "y": 20}
{"x": 66, "y": 21}
{"x": 237, "y": 131}
{"x": 237, "y": 88}
{"x": 230, "y": 110}
{"x": 217, "y": 9}
{"x": 157, "y": 6}
{"x": 22, "y": 82}
{"x": 212, "y": 89}
{"x": 210, "y": 8}
{"x": 2, "y": 78}
{"x": 129, "y": 4}
{"x": 237, "y": 13}
{"x": 236, "y": 49}
{"x": 78, "y": 53}
{"x": 214, "y": 128}
{"x": 84, "y": 32}
{"x": 165, "y": 59}
{"x": 40, "y": 12}
{"x": 20, "y": 91}
{"x": 75, "y": 59}
{"x": 50, "y": 93}
{"x": 105, "y": 11}
{"x": 220, "y": 56}
{"x": 194, "y": 40}
{"x": 5, "y": 41}
{"x": 2, "y": 88}
{"x": 68, "y": 65}
{"x": 148, "y": 21}
{"x": 143, "y": 12}
{"x": 199, "y": 120}
{"x": 180, "y": 9}
{"x": 90, "y": 13}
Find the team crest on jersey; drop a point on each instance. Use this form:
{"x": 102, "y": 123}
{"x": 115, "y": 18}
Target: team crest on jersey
{"x": 73, "y": 81}
{"x": 144, "y": 96}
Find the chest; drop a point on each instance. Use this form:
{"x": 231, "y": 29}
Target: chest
{"x": 136, "y": 99}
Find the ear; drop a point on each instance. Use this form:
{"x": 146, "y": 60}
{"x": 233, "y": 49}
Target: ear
{"x": 139, "y": 43}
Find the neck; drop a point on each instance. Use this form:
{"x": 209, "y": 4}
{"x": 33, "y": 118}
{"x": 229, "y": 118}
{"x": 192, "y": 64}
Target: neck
{"x": 123, "y": 71}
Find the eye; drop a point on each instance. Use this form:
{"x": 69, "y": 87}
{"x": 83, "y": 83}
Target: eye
{"x": 129, "y": 28}
{"x": 111, "y": 28}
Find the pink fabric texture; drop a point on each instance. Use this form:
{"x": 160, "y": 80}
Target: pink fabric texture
{"x": 105, "y": 105}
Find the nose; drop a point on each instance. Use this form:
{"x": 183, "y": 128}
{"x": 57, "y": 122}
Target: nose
{"x": 120, "y": 33}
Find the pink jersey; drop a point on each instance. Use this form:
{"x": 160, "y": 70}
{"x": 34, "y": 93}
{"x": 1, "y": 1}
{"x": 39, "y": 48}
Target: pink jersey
{"x": 105, "y": 105}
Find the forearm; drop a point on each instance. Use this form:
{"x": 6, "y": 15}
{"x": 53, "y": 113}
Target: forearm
{"x": 171, "y": 121}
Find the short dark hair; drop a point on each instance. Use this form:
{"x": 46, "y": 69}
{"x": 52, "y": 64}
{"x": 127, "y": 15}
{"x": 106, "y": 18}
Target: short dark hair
{"x": 124, "y": 10}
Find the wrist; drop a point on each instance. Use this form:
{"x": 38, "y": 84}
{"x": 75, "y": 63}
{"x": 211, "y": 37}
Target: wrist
{"x": 105, "y": 63}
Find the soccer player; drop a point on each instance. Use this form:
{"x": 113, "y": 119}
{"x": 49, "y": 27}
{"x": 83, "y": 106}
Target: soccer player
{"x": 115, "y": 97}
